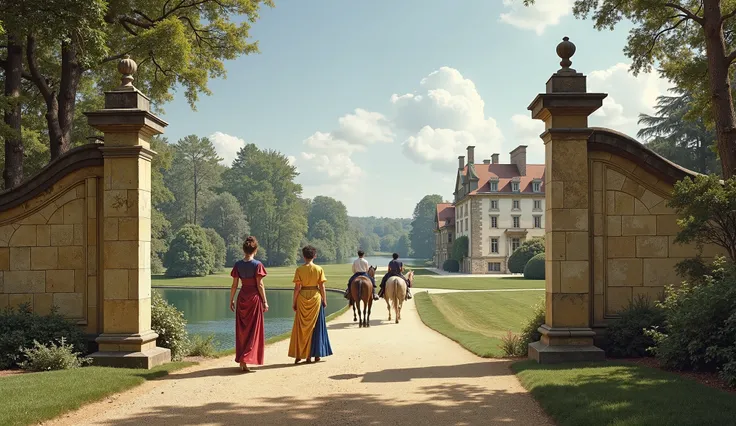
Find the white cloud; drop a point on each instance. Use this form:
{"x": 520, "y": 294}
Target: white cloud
{"x": 446, "y": 115}
{"x": 628, "y": 96}
{"x": 537, "y": 17}
{"x": 227, "y": 146}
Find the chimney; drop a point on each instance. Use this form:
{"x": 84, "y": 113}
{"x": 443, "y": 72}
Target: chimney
{"x": 471, "y": 155}
{"x": 494, "y": 159}
{"x": 461, "y": 162}
{"x": 486, "y": 161}
{"x": 518, "y": 157}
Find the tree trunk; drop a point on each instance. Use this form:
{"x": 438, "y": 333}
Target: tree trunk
{"x": 49, "y": 95}
{"x": 720, "y": 86}
{"x": 70, "y": 76}
{"x": 13, "y": 173}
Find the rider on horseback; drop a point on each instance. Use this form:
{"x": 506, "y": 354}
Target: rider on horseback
{"x": 360, "y": 267}
{"x": 395, "y": 269}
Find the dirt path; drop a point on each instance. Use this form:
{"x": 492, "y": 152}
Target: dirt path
{"x": 389, "y": 374}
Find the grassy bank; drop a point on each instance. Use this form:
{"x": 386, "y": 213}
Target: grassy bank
{"x": 476, "y": 283}
{"x": 34, "y": 397}
{"x": 477, "y": 321}
{"x": 623, "y": 394}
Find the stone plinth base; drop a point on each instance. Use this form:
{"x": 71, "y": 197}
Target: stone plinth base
{"x": 546, "y": 354}
{"x": 146, "y": 359}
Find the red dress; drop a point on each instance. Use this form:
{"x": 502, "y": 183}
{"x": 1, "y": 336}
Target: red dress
{"x": 249, "y": 335}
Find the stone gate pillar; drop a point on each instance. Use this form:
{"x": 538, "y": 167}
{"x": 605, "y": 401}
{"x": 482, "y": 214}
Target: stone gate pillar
{"x": 128, "y": 125}
{"x": 567, "y": 334}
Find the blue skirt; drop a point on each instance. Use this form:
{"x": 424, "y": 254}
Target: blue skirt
{"x": 320, "y": 341}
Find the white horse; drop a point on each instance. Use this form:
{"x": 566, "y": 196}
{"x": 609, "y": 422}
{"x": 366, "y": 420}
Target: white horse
{"x": 396, "y": 294}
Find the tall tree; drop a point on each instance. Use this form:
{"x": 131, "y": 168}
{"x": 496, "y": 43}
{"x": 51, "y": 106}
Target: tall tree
{"x": 334, "y": 213}
{"x": 403, "y": 246}
{"x": 263, "y": 182}
{"x": 160, "y": 194}
{"x": 195, "y": 170}
{"x": 682, "y": 140}
{"x": 690, "y": 40}
{"x": 225, "y": 215}
{"x": 422, "y": 226}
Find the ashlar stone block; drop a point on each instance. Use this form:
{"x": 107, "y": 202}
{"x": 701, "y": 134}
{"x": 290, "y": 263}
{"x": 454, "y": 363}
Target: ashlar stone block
{"x": 667, "y": 225}
{"x": 61, "y": 235}
{"x": 72, "y": 257}
{"x": 568, "y": 219}
{"x": 620, "y": 247}
{"x": 116, "y": 284}
{"x": 20, "y": 258}
{"x": 15, "y": 300}
{"x": 24, "y": 236}
{"x": 42, "y": 303}
{"x": 74, "y": 211}
{"x": 660, "y": 272}
{"x": 574, "y": 277}
{"x": 4, "y": 259}
{"x": 577, "y": 245}
{"x": 624, "y": 272}
{"x": 619, "y": 203}
{"x": 617, "y": 298}
{"x": 25, "y": 281}
{"x": 638, "y": 225}
{"x": 121, "y": 255}
{"x": 651, "y": 246}
{"x": 614, "y": 180}
{"x": 556, "y": 244}
{"x": 568, "y": 310}
{"x": 43, "y": 258}
{"x": 71, "y": 305}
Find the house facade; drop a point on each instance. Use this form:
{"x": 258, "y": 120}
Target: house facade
{"x": 444, "y": 221}
{"x": 497, "y": 206}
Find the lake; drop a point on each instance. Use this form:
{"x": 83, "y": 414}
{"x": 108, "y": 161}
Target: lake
{"x": 207, "y": 312}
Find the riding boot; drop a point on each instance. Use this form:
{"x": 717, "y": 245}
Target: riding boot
{"x": 380, "y": 292}
{"x": 375, "y": 297}
{"x": 347, "y": 294}
{"x": 408, "y": 293}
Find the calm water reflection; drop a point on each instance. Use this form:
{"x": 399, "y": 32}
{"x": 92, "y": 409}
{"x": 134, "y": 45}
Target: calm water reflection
{"x": 207, "y": 312}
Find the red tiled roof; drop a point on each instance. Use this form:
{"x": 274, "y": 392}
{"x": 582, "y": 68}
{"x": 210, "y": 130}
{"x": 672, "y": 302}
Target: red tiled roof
{"x": 505, "y": 173}
{"x": 445, "y": 212}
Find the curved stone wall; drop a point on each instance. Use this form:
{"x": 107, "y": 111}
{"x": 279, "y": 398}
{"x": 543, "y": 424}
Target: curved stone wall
{"x": 49, "y": 230}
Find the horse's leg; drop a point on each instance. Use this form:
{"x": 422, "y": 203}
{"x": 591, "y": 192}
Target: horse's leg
{"x": 370, "y": 305}
{"x": 388, "y": 305}
{"x": 355, "y": 318}
{"x": 360, "y": 318}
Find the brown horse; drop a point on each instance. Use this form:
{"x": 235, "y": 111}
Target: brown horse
{"x": 362, "y": 289}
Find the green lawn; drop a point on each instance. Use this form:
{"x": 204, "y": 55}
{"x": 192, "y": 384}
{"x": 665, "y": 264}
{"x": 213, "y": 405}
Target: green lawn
{"x": 477, "y": 321}
{"x": 623, "y": 394}
{"x": 337, "y": 277}
{"x": 34, "y": 397}
{"x": 479, "y": 283}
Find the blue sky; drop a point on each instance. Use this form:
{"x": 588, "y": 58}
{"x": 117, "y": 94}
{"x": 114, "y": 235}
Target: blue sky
{"x": 374, "y": 101}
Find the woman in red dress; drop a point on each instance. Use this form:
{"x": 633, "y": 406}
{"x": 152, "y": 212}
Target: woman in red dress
{"x": 251, "y": 304}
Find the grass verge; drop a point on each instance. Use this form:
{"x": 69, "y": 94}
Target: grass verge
{"x": 34, "y": 397}
{"x": 623, "y": 394}
{"x": 476, "y": 283}
{"x": 476, "y": 321}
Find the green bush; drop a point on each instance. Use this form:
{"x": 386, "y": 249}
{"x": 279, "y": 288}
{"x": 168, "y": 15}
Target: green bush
{"x": 52, "y": 357}
{"x": 522, "y": 255}
{"x": 20, "y": 327}
{"x": 530, "y": 332}
{"x": 460, "y": 248}
{"x": 534, "y": 269}
{"x": 219, "y": 252}
{"x": 203, "y": 346}
{"x": 190, "y": 253}
{"x": 451, "y": 265}
{"x": 701, "y": 325}
{"x": 513, "y": 345}
{"x": 170, "y": 325}
{"x": 626, "y": 335}
{"x": 234, "y": 253}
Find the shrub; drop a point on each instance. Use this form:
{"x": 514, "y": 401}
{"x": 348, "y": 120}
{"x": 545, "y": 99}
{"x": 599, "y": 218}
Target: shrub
{"x": 190, "y": 253}
{"x": 219, "y": 252}
{"x": 626, "y": 335}
{"x": 234, "y": 253}
{"x": 20, "y": 327}
{"x": 170, "y": 325}
{"x": 52, "y": 357}
{"x": 701, "y": 325}
{"x": 534, "y": 269}
{"x": 513, "y": 345}
{"x": 530, "y": 332}
{"x": 522, "y": 255}
{"x": 203, "y": 346}
{"x": 460, "y": 248}
{"x": 451, "y": 265}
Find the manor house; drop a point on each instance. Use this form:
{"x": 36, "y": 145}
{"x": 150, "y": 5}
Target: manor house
{"x": 497, "y": 206}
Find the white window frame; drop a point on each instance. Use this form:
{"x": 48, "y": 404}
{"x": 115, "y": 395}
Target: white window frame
{"x": 515, "y": 205}
{"x": 494, "y": 218}
{"x": 516, "y": 222}
{"x": 497, "y": 245}
{"x": 514, "y": 186}
{"x": 537, "y": 221}
{"x": 492, "y": 207}
{"x": 537, "y": 205}
{"x": 518, "y": 244}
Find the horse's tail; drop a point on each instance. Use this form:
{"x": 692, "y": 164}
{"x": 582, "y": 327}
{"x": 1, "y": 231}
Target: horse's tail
{"x": 360, "y": 293}
{"x": 395, "y": 295}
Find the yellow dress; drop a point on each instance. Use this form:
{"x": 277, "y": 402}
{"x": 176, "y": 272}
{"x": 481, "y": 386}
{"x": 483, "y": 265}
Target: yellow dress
{"x": 308, "y": 304}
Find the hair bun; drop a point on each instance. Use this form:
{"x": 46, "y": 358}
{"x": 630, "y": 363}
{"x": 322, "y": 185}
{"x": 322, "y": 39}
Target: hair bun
{"x": 250, "y": 245}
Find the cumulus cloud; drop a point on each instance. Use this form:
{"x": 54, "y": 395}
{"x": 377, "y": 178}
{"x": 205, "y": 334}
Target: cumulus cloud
{"x": 537, "y": 17}
{"x": 444, "y": 116}
{"x": 328, "y": 165}
{"x": 628, "y": 96}
{"x": 525, "y": 131}
{"x": 227, "y": 146}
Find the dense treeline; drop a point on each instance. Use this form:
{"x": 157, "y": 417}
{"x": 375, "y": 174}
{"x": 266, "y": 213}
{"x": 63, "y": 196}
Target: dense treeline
{"x": 257, "y": 194}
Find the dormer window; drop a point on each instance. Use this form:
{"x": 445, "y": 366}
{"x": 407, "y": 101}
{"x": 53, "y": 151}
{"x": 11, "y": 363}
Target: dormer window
{"x": 537, "y": 185}
{"x": 493, "y": 184}
{"x": 515, "y": 184}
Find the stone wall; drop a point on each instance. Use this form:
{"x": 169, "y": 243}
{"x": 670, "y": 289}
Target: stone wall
{"x": 633, "y": 235}
{"x": 48, "y": 239}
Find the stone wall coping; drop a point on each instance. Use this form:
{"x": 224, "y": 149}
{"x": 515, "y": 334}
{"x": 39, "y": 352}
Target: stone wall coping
{"x": 89, "y": 155}
{"x": 128, "y": 151}
{"x": 117, "y": 119}
{"x": 611, "y": 141}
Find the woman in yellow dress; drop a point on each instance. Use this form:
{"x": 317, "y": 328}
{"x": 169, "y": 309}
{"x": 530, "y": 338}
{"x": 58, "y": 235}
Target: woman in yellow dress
{"x": 309, "y": 334}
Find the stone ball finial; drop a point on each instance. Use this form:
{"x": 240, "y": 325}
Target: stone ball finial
{"x": 127, "y": 67}
{"x": 565, "y": 50}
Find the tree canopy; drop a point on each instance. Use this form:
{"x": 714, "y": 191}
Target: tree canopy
{"x": 422, "y": 226}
